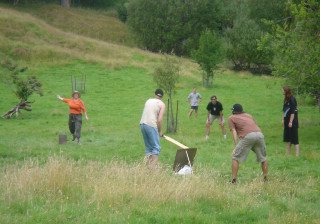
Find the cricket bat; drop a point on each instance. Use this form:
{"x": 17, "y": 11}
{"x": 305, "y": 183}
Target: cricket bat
{"x": 175, "y": 142}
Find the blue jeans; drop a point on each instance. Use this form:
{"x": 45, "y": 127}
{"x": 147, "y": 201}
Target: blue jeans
{"x": 151, "y": 139}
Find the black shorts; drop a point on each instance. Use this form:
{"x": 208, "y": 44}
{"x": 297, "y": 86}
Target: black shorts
{"x": 194, "y": 108}
{"x": 291, "y": 135}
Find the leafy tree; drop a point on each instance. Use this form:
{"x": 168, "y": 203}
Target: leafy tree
{"x": 209, "y": 54}
{"x": 243, "y": 43}
{"x": 122, "y": 11}
{"x": 268, "y": 10}
{"x": 166, "y": 76}
{"x": 298, "y": 49}
{"x": 172, "y": 25}
{"x": 265, "y": 55}
{"x": 148, "y": 24}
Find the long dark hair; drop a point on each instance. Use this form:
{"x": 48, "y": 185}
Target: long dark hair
{"x": 287, "y": 93}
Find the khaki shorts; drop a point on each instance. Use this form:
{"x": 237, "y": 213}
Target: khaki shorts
{"x": 253, "y": 141}
{"x": 214, "y": 117}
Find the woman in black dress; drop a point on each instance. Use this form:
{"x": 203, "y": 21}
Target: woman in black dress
{"x": 290, "y": 120}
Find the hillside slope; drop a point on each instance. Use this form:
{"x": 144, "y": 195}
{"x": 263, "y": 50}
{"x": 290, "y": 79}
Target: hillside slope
{"x": 98, "y": 24}
{"x": 29, "y": 40}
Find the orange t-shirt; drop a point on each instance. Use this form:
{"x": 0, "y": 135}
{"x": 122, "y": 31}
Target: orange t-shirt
{"x": 76, "y": 106}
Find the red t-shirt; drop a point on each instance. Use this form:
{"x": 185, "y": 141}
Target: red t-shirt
{"x": 76, "y": 106}
{"x": 243, "y": 124}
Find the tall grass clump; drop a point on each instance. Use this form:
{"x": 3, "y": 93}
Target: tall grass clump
{"x": 100, "y": 182}
{"x": 118, "y": 192}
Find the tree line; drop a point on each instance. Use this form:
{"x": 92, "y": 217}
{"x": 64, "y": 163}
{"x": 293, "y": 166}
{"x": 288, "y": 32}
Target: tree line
{"x": 278, "y": 37}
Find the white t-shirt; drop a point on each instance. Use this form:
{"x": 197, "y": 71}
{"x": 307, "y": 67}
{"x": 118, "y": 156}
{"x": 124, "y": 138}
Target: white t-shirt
{"x": 194, "y": 98}
{"x": 151, "y": 112}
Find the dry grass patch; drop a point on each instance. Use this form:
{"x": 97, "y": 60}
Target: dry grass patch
{"x": 101, "y": 183}
{"x": 101, "y": 25}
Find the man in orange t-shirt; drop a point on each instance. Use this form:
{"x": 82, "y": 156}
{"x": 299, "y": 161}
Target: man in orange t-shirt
{"x": 75, "y": 117}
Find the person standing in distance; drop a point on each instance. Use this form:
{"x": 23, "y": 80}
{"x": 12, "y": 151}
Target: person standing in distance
{"x": 75, "y": 116}
{"x": 215, "y": 109}
{"x": 290, "y": 122}
{"x": 194, "y": 99}
{"x": 247, "y": 136}
{"x": 151, "y": 127}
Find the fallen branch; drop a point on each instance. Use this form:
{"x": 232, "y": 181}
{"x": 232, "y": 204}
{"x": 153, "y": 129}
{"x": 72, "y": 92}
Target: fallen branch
{"x": 23, "y": 105}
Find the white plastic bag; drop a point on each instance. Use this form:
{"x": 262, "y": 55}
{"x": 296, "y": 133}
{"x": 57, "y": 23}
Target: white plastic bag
{"x": 185, "y": 170}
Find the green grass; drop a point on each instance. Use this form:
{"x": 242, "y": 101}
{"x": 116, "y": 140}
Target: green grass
{"x": 104, "y": 180}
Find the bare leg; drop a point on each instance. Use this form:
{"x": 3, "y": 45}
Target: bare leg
{"x": 235, "y": 168}
{"x": 297, "y": 149}
{"x": 264, "y": 167}
{"x": 288, "y": 148}
{"x": 195, "y": 113}
{"x": 190, "y": 112}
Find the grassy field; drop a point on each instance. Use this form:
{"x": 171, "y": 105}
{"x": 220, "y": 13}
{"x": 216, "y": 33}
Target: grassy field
{"x": 104, "y": 180}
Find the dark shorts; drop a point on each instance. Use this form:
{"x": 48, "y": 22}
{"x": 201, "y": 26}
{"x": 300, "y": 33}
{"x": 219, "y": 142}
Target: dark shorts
{"x": 194, "y": 108}
{"x": 291, "y": 135}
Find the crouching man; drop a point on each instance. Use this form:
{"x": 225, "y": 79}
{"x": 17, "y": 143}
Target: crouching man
{"x": 246, "y": 136}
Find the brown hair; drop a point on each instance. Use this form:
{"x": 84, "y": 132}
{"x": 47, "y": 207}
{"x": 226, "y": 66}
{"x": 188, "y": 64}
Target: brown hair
{"x": 287, "y": 93}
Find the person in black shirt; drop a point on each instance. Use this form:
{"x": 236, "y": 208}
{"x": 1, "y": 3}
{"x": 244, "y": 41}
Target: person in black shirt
{"x": 290, "y": 121}
{"x": 215, "y": 109}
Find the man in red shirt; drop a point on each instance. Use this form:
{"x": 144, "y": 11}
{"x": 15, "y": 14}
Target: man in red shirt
{"x": 76, "y": 107}
{"x": 246, "y": 136}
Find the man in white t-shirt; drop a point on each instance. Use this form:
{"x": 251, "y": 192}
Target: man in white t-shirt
{"x": 194, "y": 99}
{"x": 150, "y": 125}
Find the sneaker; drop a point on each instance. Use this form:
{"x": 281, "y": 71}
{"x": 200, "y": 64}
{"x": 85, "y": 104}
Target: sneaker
{"x": 207, "y": 137}
{"x": 225, "y": 136}
{"x": 73, "y": 137}
{"x": 78, "y": 141}
{"x": 234, "y": 180}
{"x": 265, "y": 179}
